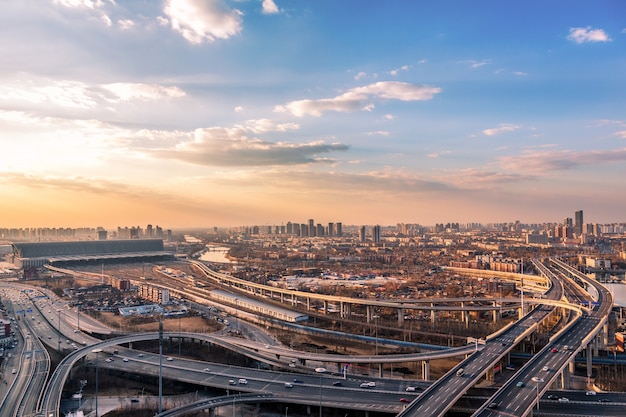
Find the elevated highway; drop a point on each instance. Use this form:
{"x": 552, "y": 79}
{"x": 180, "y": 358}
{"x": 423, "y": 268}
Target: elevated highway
{"x": 521, "y": 394}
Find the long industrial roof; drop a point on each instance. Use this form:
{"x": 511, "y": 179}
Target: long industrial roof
{"x": 86, "y": 248}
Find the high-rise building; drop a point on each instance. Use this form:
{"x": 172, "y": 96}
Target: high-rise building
{"x": 376, "y": 234}
{"x": 331, "y": 229}
{"x": 362, "y": 234}
{"x": 339, "y": 229}
{"x": 311, "y": 227}
{"x": 578, "y": 222}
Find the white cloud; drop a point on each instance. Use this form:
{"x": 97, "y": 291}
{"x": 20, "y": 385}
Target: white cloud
{"x": 389, "y": 117}
{"x": 238, "y": 109}
{"x": 435, "y": 155}
{"x": 378, "y": 133}
{"x": 89, "y": 4}
{"x": 269, "y": 7}
{"x": 586, "y": 34}
{"x": 520, "y": 73}
{"x": 220, "y": 146}
{"x": 477, "y": 64}
{"x": 143, "y": 92}
{"x": 126, "y": 24}
{"x": 360, "y": 75}
{"x": 502, "y": 129}
{"x": 267, "y": 125}
{"x": 396, "y": 71}
{"x": 621, "y": 134}
{"x": 359, "y": 98}
{"x": 79, "y": 95}
{"x": 203, "y": 20}
{"x": 560, "y": 160}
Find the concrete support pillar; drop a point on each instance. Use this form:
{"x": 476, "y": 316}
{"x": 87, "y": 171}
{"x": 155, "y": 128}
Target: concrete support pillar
{"x": 426, "y": 370}
{"x": 463, "y": 312}
{"x": 400, "y": 316}
{"x": 308, "y": 303}
{"x": 282, "y": 297}
{"x": 519, "y": 313}
{"x": 342, "y": 308}
{"x": 325, "y": 307}
{"x": 294, "y": 300}
{"x": 212, "y": 412}
{"x": 368, "y": 313}
{"x": 489, "y": 374}
{"x": 380, "y": 370}
{"x": 348, "y": 310}
{"x": 433, "y": 314}
{"x": 494, "y": 313}
{"x": 589, "y": 363}
{"x": 565, "y": 378}
{"x": 605, "y": 335}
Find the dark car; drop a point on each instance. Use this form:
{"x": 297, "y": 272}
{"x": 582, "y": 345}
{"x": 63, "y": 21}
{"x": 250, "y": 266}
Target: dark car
{"x": 404, "y": 400}
{"x": 297, "y": 381}
{"x": 337, "y": 384}
{"x": 553, "y": 397}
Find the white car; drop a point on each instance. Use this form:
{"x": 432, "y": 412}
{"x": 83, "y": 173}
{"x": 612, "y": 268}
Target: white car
{"x": 243, "y": 381}
{"x": 563, "y": 400}
{"x": 169, "y": 358}
{"x": 125, "y": 359}
{"x": 537, "y": 379}
{"x": 545, "y": 369}
{"x": 590, "y": 393}
{"x": 410, "y": 389}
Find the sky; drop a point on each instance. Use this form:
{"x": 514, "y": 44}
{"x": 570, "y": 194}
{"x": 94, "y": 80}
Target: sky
{"x": 203, "y": 113}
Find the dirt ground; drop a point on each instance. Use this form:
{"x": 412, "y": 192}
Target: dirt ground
{"x": 187, "y": 324}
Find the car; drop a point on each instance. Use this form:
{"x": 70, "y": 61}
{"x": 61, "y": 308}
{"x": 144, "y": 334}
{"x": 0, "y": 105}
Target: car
{"x": 565, "y": 347}
{"x": 207, "y": 369}
{"x": 404, "y": 400}
{"x": 520, "y": 384}
{"x": 604, "y": 400}
{"x": 49, "y": 337}
{"x": 563, "y": 400}
{"x": 292, "y": 365}
{"x": 337, "y": 384}
{"x": 554, "y": 350}
{"x": 410, "y": 389}
{"x": 537, "y": 379}
{"x": 243, "y": 381}
{"x": 288, "y": 385}
{"x": 371, "y": 384}
{"x": 14, "y": 371}
{"x": 134, "y": 400}
{"x": 140, "y": 355}
{"x": 460, "y": 372}
{"x": 232, "y": 382}
{"x": 169, "y": 358}
{"x": 590, "y": 393}
{"x": 297, "y": 381}
{"x": 545, "y": 369}
{"x": 109, "y": 360}
{"x": 125, "y": 359}
{"x": 553, "y": 397}
{"x": 364, "y": 385}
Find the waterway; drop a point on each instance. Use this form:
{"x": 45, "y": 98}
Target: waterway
{"x": 216, "y": 254}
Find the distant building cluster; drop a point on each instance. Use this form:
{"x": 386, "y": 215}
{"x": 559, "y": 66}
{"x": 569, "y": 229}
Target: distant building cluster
{"x": 309, "y": 229}
{"x": 48, "y": 234}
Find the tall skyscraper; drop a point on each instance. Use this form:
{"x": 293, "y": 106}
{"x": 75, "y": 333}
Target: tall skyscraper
{"x": 578, "y": 222}
{"x": 339, "y": 229}
{"x": 362, "y": 234}
{"x": 311, "y": 227}
{"x": 376, "y": 234}
{"x": 331, "y": 229}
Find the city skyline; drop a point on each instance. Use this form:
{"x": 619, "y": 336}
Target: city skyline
{"x": 223, "y": 113}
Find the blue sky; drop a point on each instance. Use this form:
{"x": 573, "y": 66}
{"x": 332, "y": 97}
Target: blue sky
{"x": 223, "y": 113}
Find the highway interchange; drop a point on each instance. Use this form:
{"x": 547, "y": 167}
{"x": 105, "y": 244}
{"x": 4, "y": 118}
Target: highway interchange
{"x": 434, "y": 400}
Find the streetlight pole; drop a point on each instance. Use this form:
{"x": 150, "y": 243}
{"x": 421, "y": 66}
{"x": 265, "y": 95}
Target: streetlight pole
{"x": 97, "y": 352}
{"x": 160, "y": 365}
